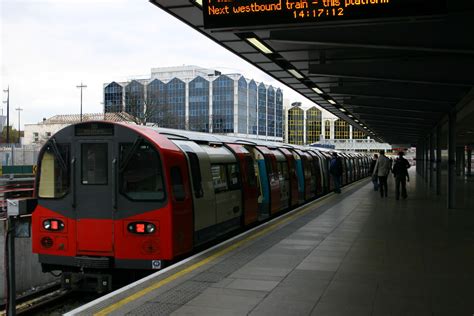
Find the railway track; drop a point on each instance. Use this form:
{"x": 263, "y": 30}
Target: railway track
{"x": 52, "y": 300}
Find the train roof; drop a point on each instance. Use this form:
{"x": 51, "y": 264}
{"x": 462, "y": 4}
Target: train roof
{"x": 200, "y": 137}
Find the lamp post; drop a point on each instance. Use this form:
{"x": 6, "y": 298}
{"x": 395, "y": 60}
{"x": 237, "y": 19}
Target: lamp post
{"x": 8, "y": 112}
{"x": 81, "y": 87}
{"x": 19, "y": 109}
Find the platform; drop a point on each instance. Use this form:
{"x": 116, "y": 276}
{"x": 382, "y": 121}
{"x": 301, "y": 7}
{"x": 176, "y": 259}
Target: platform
{"x": 349, "y": 254}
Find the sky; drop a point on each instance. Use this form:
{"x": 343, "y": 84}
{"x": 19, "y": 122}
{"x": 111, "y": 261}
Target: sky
{"x": 48, "y": 47}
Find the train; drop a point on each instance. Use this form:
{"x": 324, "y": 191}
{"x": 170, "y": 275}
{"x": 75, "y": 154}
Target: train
{"x": 115, "y": 197}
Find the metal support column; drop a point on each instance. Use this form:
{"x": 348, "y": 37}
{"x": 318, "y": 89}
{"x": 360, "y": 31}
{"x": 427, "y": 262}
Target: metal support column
{"x": 452, "y": 160}
{"x": 432, "y": 160}
{"x": 469, "y": 161}
{"x": 438, "y": 160}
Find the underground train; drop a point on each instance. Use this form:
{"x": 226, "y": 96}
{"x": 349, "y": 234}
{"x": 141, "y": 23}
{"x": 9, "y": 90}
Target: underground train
{"x": 115, "y": 196}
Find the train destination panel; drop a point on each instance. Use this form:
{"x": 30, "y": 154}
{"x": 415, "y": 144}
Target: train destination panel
{"x": 234, "y": 13}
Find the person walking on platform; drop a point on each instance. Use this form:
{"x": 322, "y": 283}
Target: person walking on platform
{"x": 375, "y": 179}
{"x": 381, "y": 170}
{"x": 400, "y": 172}
{"x": 335, "y": 169}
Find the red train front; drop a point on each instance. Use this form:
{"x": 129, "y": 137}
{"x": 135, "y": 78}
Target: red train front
{"x": 105, "y": 200}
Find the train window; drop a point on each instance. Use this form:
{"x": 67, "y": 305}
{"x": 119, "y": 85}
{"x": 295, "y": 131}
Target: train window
{"x": 177, "y": 185}
{"x": 94, "y": 163}
{"x": 196, "y": 174}
{"x": 54, "y": 171}
{"x": 251, "y": 173}
{"x": 219, "y": 178}
{"x": 284, "y": 170}
{"x": 233, "y": 172}
{"x": 268, "y": 166}
{"x": 141, "y": 174}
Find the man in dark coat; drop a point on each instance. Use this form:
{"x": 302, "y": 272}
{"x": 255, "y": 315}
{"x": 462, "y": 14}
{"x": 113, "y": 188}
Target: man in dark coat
{"x": 375, "y": 179}
{"x": 400, "y": 172}
{"x": 335, "y": 169}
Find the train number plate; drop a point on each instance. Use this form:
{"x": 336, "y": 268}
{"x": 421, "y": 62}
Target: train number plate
{"x": 156, "y": 264}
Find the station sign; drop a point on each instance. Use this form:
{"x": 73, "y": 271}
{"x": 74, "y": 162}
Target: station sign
{"x": 238, "y": 13}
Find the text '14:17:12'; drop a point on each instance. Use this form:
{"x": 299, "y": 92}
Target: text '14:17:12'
{"x": 318, "y": 13}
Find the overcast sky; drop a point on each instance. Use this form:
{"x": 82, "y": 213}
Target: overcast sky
{"x": 48, "y": 47}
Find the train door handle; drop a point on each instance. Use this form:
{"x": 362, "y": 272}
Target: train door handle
{"x": 236, "y": 209}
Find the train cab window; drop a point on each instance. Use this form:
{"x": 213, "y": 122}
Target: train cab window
{"x": 234, "y": 176}
{"x": 54, "y": 171}
{"x": 94, "y": 163}
{"x": 219, "y": 178}
{"x": 141, "y": 174}
{"x": 177, "y": 185}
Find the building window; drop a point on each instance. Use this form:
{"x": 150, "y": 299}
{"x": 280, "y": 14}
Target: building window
{"x": 295, "y": 126}
{"x": 341, "y": 129}
{"x": 36, "y": 137}
{"x": 313, "y": 125}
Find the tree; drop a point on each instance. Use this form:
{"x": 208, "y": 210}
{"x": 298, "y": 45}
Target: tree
{"x": 141, "y": 112}
{"x": 13, "y": 135}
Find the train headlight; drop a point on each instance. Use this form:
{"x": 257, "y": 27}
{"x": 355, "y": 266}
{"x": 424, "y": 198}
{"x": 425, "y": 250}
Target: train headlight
{"x": 150, "y": 228}
{"x": 53, "y": 224}
{"x": 141, "y": 228}
{"x": 47, "y": 224}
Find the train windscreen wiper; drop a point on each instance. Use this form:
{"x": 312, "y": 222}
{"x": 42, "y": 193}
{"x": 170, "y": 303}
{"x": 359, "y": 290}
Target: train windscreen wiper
{"x": 130, "y": 154}
{"x": 57, "y": 154}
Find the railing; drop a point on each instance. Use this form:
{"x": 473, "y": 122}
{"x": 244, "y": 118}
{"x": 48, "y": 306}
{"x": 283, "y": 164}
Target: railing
{"x": 355, "y": 144}
{"x": 15, "y": 187}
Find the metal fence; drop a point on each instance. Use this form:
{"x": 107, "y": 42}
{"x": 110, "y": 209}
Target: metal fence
{"x": 14, "y": 155}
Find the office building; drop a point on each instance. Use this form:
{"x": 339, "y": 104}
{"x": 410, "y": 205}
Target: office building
{"x": 200, "y": 99}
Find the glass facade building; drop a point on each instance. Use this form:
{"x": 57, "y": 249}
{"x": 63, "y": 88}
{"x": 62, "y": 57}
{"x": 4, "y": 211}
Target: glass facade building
{"x": 341, "y": 129}
{"x": 113, "y": 97}
{"x": 200, "y": 99}
{"x": 310, "y": 125}
{"x": 313, "y": 125}
{"x": 357, "y": 134}
{"x": 296, "y": 126}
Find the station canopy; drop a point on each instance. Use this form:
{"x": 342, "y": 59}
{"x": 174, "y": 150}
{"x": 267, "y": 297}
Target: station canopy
{"x": 391, "y": 68}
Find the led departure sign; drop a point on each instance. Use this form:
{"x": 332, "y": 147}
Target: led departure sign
{"x": 234, "y": 13}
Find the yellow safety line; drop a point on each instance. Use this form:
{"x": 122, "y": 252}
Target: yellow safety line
{"x": 218, "y": 254}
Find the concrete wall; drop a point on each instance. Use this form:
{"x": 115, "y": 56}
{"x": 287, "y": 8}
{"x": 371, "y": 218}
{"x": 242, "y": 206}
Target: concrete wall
{"x": 28, "y": 270}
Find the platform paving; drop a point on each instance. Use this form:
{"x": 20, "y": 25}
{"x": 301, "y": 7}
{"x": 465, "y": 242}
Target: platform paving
{"x": 352, "y": 254}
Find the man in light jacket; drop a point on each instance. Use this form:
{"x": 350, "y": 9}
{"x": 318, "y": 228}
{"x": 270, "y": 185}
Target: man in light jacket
{"x": 382, "y": 169}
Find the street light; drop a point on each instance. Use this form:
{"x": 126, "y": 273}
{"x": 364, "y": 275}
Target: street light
{"x": 81, "y": 87}
{"x": 19, "y": 109}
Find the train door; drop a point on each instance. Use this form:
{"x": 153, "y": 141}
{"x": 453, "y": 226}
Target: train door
{"x": 250, "y": 188}
{"x": 293, "y": 179}
{"x": 204, "y": 208}
{"x": 283, "y": 178}
{"x": 226, "y": 180}
{"x": 300, "y": 176}
{"x": 317, "y": 173}
{"x": 272, "y": 178}
{"x": 94, "y": 178}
